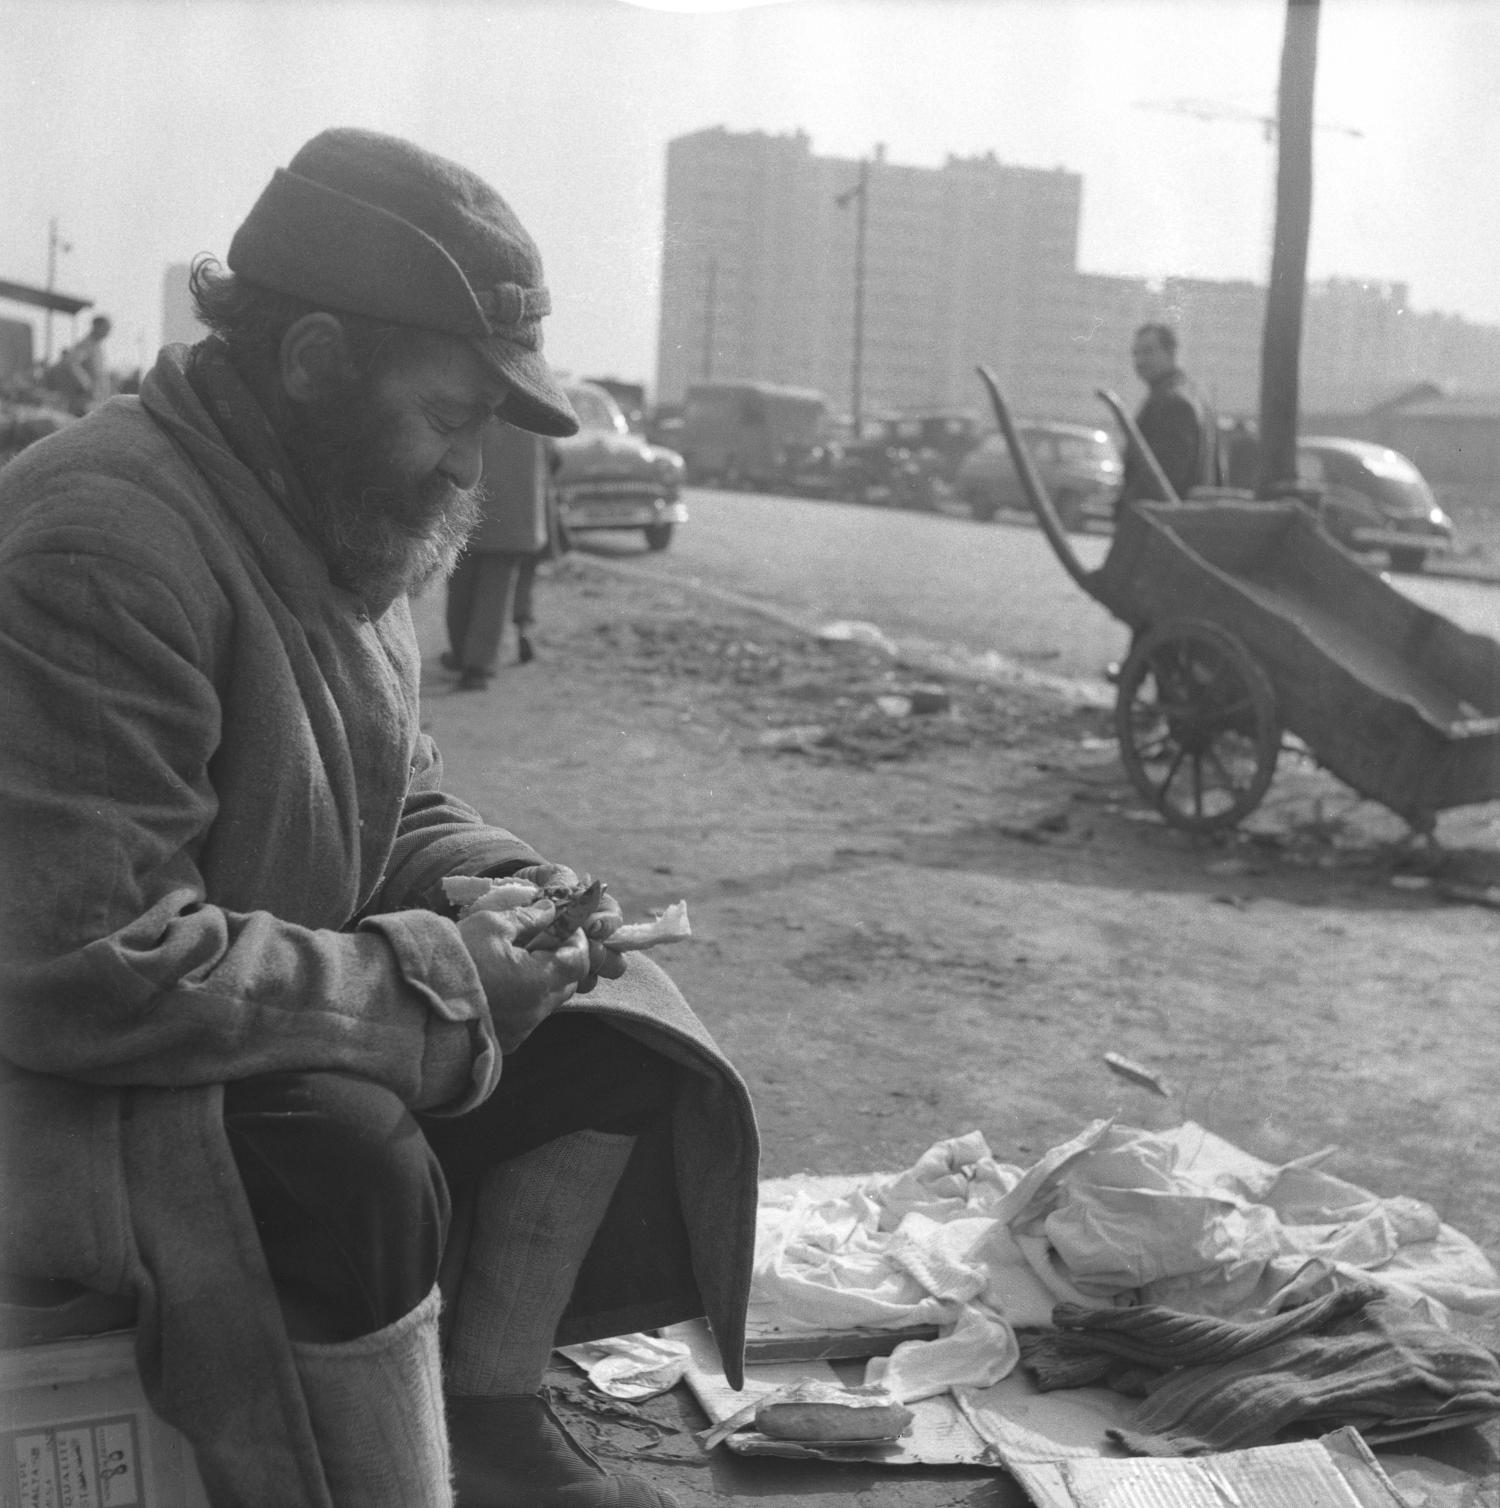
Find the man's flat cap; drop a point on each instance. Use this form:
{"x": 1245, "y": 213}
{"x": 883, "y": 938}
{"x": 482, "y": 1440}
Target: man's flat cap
{"x": 364, "y": 223}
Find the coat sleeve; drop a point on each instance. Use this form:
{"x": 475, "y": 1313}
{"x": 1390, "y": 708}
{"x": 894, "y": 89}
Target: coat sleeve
{"x": 115, "y": 965}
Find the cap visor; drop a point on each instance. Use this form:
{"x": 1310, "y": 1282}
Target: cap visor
{"x": 536, "y": 403}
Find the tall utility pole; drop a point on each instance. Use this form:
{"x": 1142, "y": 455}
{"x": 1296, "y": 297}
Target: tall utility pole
{"x": 55, "y": 245}
{"x": 710, "y": 309}
{"x": 860, "y": 194}
{"x": 1281, "y": 342}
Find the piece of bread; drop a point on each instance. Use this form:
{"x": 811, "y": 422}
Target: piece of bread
{"x": 471, "y": 893}
{"x": 814, "y": 1410}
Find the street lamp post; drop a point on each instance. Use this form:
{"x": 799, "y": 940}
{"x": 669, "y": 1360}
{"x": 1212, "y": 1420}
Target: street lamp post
{"x": 860, "y": 194}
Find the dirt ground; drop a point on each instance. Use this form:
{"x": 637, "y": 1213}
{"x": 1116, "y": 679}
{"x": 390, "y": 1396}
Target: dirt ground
{"x": 909, "y": 925}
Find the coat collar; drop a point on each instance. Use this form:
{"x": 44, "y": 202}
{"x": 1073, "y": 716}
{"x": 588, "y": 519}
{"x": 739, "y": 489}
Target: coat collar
{"x": 197, "y": 397}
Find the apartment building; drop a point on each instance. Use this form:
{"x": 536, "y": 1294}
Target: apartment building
{"x": 977, "y": 261}
{"x": 965, "y": 263}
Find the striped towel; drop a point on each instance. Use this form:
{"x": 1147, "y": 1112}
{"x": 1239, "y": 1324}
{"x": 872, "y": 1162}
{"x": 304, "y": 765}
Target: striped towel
{"x": 1215, "y": 1384}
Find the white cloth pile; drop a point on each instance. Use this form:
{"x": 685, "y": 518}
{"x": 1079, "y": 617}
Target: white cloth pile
{"x": 1116, "y": 1216}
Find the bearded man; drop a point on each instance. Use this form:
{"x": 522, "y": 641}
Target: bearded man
{"x": 247, "y": 1054}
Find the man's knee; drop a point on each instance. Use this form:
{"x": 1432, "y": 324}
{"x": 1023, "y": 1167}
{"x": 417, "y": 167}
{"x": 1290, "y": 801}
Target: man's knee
{"x": 348, "y": 1198}
{"x": 334, "y": 1133}
{"x": 573, "y": 1073}
{"x": 616, "y": 1083}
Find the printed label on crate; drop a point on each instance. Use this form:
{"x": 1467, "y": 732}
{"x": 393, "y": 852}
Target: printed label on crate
{"x": 85, "y": 1463}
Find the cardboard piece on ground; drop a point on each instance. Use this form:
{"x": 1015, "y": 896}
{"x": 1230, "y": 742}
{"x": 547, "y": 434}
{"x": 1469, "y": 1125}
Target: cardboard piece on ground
{"x": 1337, "y": 1471}
{"x": 1039, "y": 1439}
{"x": 1020, "y": 1422}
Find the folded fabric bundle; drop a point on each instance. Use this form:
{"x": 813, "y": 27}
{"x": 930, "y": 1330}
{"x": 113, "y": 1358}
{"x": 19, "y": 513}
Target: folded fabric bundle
{"x": 1090, "y": 1344}
{"x": 1326, "y": 1365}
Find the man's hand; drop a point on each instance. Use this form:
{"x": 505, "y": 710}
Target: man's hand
{"x": 523, "y": 987}
{"x": 603, "y": 962}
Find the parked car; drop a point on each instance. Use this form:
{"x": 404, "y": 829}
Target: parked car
{"x": 609, "y": 478}
{"x": 924, "y": 452}
{"x": 811, "y": 470}
{"x": 740, "y": 434}
{"x": 1079, "y": 466}
{"x": 877, "y": 469}
{"x": 631, "y": 396}
{"x": 1372, "y": 497}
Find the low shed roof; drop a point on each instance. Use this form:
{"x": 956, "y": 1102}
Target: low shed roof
{"x": 42, "y": 298}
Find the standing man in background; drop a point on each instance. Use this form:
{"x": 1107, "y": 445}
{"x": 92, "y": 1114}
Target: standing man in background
{"x": 493, "y": 579}
{"x": 1175, "y": 421}
{"x": 79, "y": 375}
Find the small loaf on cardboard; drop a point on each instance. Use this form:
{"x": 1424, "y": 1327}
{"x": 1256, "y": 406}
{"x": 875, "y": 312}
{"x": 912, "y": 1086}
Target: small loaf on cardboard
{"x": 815, "y": 1410}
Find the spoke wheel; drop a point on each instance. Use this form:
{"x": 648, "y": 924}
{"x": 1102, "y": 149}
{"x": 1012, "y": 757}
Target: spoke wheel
{"x": 1198, "y": 727}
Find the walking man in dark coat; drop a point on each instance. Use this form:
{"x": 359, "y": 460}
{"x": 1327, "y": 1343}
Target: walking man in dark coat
{"x": 1175, "y": 420}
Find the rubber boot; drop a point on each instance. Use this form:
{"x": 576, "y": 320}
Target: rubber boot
{"x": 376, "y": 1405}
{"x": 535, "y": 1219}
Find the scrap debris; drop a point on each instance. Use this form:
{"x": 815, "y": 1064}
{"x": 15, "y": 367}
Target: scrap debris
{"x": 836, "y": 697}
{"x": 1138, "y": 1074}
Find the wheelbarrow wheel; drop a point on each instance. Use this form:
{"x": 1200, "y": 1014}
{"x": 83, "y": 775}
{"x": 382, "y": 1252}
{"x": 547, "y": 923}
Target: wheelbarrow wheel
{"x": 1198, "y": 727}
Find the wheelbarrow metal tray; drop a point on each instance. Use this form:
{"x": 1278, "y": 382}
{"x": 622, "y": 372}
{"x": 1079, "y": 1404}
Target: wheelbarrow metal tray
{"x": 1394, "y": 699}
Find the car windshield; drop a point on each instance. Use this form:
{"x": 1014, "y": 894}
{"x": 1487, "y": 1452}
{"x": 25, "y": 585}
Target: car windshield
{"x": 597, "y": 411}
{"x": 1391, "y": 465}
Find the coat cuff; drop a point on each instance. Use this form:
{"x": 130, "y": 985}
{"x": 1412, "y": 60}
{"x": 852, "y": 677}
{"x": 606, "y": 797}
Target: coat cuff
{"x": 460, "y": 1051}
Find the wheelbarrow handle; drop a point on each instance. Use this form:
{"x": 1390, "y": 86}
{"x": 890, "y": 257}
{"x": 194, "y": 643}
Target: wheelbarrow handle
{"x": 1133, "y": 434}
{"x": 1033, "y": 487}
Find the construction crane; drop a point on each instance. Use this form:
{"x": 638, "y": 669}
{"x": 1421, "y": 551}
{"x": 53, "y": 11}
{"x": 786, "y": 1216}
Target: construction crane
{"x": 1208, "y": 109}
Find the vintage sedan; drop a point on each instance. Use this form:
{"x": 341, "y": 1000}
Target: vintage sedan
{"x": 1370, "y": 497}
{"x": 1078, "y": 464}
{"x": 610, "y": 478}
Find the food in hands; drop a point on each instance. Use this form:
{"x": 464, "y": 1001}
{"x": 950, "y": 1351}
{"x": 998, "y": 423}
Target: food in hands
{"x": 815, "y": 1410}
{"x": 671, "y": 926}
{"x": 574, "y": 906}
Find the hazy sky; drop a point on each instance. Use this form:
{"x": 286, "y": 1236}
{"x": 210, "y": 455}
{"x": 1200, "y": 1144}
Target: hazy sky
{"x": 147, "y": 127}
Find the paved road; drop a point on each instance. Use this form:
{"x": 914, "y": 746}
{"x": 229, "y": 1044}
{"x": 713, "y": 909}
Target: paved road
{"x": 934, "y": 580}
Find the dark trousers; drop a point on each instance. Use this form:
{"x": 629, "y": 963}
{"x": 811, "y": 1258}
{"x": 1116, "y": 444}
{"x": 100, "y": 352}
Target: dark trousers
{"x": 487, "y": 588}
{"x": 350, "y": 1191}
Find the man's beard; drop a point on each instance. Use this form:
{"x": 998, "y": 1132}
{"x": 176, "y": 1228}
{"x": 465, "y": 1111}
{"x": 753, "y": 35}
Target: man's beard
{"x": 382, "y": 529}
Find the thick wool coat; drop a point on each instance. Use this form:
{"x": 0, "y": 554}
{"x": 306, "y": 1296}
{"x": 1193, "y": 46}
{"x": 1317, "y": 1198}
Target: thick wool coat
{"x": 1178, "y": 424}
{"x": 513, "y": 520}
{"x": 220, "y": 826}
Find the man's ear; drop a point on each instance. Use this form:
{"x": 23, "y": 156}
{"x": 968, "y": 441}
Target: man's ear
{"x": 312, "y": 349}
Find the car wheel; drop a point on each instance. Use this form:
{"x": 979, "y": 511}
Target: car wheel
{"x": 1408, "y": 558}
{"x": 658, "y": 536}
